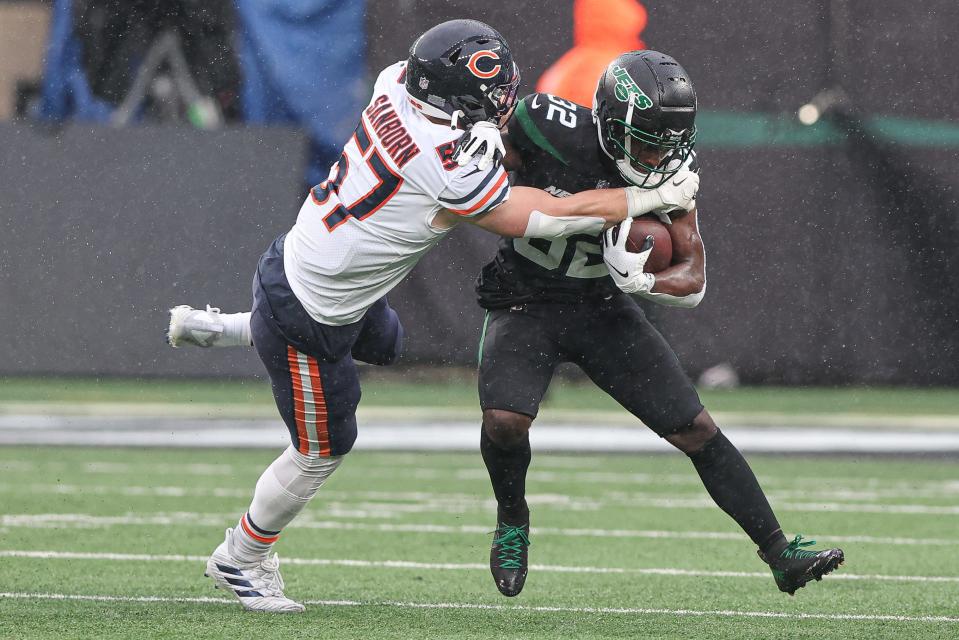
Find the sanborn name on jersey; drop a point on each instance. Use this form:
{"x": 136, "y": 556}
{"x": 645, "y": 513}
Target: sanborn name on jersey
{"x": 391, "y": 132}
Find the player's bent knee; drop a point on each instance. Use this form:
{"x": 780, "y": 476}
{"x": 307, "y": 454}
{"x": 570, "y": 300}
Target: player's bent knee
{"x": 507, "y": 429}
{"x": 314, "y": 463}
{"x": 694, "y": 437}
{"x": 397, "y": 347}
{"x": 381, "y": 348}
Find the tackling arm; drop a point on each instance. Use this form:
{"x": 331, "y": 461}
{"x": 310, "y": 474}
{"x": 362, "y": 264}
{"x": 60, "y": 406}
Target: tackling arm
{"x": 683, "y": 283}
{"x": 536, "y": 214}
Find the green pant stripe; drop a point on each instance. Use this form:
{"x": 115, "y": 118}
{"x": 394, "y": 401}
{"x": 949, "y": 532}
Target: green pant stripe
{"x": 479, "y": 356}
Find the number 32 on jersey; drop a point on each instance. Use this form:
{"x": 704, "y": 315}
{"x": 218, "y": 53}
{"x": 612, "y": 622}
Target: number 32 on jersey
{"x": 558, "y": 110}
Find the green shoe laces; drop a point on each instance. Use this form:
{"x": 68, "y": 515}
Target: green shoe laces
{"x": 795, "y": 550}
{"x": 512, "y": 541}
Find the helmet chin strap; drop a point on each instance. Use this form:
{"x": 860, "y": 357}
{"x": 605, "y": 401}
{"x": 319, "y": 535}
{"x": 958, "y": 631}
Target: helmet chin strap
{"x": 630, "y": 174}
{"x": 454, "y": 119}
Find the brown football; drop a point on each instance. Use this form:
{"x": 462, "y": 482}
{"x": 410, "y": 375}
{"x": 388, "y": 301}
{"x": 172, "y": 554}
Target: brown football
{"x": 662, "y": 255}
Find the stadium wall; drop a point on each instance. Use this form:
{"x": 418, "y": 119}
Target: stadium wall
{"x": 103, "y": 229}
{"x": 809, "y": 281}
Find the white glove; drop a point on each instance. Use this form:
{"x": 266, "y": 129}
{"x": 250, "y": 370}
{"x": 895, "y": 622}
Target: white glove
{"x": 679, "y": 192}
{"x": 626, "y": 268}
{"x": 482, "y": 135}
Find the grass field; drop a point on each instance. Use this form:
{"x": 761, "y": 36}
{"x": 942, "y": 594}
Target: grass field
{"x": 460, "y": 392}
{"x": 111, "y": 543}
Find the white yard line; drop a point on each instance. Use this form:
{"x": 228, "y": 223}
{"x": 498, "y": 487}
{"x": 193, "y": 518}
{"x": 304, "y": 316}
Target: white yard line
{"x": 723, "y": 613}
{"x": 306, "y": 521}
{"x": 865, "y": 487}
{"x": 579, "y": 468}
{"x": 139, "y": 468}
{"x": 450, "y": 566}
{"x": 812, "y": 507}
{"x": 613, "y": 477}
{"x": 129, "y": 490}
{"x": 442, "y": 504}
{"x": 458, "y": 503}
{"x": 123, "y": 468}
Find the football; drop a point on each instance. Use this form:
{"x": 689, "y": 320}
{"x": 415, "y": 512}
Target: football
{"x": 662, "y": 255}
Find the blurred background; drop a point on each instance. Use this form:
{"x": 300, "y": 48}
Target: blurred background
{"x": 151, "y": 149}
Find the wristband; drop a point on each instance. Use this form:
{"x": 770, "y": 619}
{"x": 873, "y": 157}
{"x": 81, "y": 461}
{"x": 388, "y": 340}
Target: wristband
{"x": 641, "y": 201}
{"x": 541, "y": 225}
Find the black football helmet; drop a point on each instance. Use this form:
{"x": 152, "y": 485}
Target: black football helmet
{"x": 645, "y": 112}
{"x": 462, "y": 66}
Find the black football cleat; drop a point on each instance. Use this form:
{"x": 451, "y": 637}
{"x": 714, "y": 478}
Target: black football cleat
{"x": 796, "y": 566}
{"x": 509, "y": 557}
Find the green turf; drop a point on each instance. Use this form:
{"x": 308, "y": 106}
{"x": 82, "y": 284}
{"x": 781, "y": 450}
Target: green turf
{"x": 434, "y": 509}
{"x": 461, "y": 392}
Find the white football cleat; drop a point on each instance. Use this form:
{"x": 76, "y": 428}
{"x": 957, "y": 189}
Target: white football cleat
{"x": 194, "y": 326}
{"x": 258, "y": 587}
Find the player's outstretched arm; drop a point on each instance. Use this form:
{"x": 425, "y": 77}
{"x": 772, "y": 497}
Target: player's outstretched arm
{"x": 533, "y": 213}
{"x": 683, "y": 283}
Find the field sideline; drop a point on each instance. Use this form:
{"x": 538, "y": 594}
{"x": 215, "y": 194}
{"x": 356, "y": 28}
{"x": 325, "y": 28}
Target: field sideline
{"x": 111, "y": 542}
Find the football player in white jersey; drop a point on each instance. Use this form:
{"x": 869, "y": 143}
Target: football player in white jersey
{"x": 404, "y": 179}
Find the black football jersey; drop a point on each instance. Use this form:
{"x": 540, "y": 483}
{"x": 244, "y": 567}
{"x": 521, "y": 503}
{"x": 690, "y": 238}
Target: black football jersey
{"x": 557, "y": 142}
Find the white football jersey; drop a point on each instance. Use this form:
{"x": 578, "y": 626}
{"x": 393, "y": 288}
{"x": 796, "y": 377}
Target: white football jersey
{"x": 363, "y": 229}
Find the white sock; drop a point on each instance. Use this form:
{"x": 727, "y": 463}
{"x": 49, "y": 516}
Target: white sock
{"x": 236, "y": 330}
{"x": 282, "y": 491}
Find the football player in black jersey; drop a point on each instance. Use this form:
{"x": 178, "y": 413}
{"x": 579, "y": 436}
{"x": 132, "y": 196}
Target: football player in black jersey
{"x": 554, "y": 301}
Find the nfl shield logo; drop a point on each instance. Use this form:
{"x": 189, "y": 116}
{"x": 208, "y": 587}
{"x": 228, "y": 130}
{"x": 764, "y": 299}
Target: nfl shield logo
{"x": 424, "y": 83}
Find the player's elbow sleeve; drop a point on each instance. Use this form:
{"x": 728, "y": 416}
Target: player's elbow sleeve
{"x": 697, "y": 297}
{"x": 688, "y": 301}
{"x": 694, "y": 299}
{"x": 541, "y": 225}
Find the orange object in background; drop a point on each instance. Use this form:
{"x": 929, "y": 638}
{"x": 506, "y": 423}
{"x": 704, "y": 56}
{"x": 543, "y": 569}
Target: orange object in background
{"x": 602, "y": 29}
